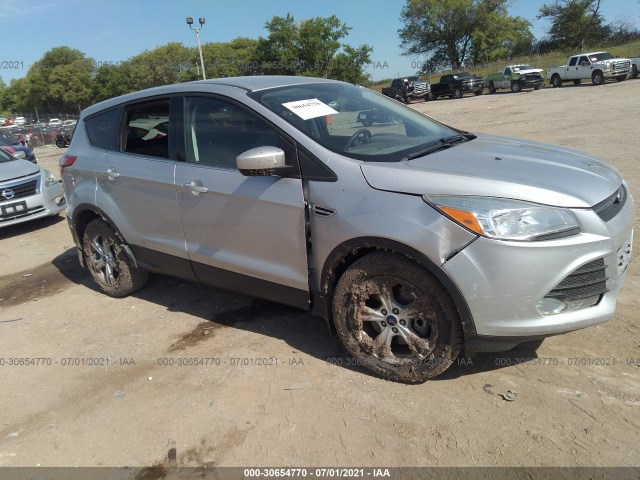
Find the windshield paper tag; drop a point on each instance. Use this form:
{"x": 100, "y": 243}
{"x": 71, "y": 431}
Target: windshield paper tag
{"x": 308, "y": 109}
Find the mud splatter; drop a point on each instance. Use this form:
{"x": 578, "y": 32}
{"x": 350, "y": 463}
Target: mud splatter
{"x": 41, "y": 281}
{"x": 257, "y": 308}
{"x": 202, "y": 332}
{"x": 154, "y": 472}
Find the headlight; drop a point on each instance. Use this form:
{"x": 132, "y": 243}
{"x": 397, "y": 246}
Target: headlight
{"x": 607, "y": 65}
{"x": 506, "y": 219}
{"x": 49, "y": 179}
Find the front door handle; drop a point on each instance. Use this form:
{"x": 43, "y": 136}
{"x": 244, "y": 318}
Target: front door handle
{"x": 111, "y": 173}
{"x": 196, "y": 187}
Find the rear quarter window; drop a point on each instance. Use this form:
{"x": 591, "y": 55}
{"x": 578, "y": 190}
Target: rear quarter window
{"x": 102, "y": 129}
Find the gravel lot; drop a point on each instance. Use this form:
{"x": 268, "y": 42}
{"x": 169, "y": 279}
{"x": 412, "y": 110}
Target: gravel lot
{"x": 275, "y": 388}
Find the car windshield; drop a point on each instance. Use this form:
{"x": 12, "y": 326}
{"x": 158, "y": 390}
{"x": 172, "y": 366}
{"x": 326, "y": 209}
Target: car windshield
{"x": 5, "y": 157}
{"x": 598, "y": 57}
{"x": 517, "y": 68}
{"x": 354, "y": 121}
{"x": 463, "y": 75}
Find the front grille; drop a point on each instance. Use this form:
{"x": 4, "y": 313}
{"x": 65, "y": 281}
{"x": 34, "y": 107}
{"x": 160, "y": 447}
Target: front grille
{"x": 532, "y": 76}
{"x": 420, "y": 88}
{"x": 622, "y": 65}
{"x": 587, "y": 281}
{"x": 20, "y": 190}
{"x": 612, "y": 205}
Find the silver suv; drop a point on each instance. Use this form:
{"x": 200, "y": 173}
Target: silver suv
{"x": 413, "y": 239}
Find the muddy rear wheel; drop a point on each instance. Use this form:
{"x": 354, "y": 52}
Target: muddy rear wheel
{"x": 107, "y": 261}
{"x": 396, "y": 319}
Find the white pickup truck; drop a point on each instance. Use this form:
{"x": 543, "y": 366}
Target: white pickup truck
{"x": 597, "y": 66}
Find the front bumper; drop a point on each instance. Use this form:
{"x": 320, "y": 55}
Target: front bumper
{"x": 532, "y": 83}
{"x": 45, "y": 202}
{"x": 503, "y": 282}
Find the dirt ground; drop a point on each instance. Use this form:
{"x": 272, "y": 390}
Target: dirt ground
{"x": 113, "y": 381}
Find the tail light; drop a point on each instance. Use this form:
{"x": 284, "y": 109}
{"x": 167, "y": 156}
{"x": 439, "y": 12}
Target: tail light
{"x": 9, "y": 149}
{"x": 66, "y": 161}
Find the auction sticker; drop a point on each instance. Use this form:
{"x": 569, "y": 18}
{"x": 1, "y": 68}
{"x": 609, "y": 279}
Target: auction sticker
{"x": 308, "y": 109}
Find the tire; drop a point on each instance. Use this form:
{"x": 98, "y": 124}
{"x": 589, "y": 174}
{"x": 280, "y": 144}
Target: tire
{"x": 634, "y": 71}
{"x": 597, "y": 78}
{"x": 108, "y": 262}
{"x": 537, "y": 87}
{"x": 516, "y": 87}
{"x": 621, "y": 78}
{"x": 478, "y": 92}
{"x": 457, "y": 93}
{"x": 492, "y": 87}
{"x": 577, "y": 82}
{"x": 556, "y": 81}
{"x": 60, "y": 143}
{"x": 377, "y": 337}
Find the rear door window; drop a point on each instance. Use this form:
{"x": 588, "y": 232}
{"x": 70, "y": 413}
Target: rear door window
{"x": 102, "y": 129}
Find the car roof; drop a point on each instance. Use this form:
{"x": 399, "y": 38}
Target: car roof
{"x": 250, "y": 84}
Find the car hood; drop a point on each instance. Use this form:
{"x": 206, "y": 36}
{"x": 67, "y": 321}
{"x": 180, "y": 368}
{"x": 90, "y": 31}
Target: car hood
{"x": 531, "y": 70}
{"x": 17, "y": 169}
{"x": 502, "y": 167}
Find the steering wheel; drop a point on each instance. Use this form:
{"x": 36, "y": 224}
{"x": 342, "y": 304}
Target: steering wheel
{"x": 356, "y": 138}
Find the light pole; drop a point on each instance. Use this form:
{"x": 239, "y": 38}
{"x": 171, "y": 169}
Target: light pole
{"x": 197, "y": 30}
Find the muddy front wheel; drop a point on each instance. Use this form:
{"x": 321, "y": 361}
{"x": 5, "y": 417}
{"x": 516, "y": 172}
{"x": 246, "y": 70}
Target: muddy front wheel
{"x": 396, "y": 319}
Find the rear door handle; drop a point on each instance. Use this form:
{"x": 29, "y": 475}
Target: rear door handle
{"x": 196, "y": 187}
{"x": 111, "y": 173}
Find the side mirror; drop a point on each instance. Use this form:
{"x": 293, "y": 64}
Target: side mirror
{"x": 261, "y": 162}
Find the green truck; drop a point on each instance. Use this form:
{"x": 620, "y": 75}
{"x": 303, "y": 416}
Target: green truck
{"x": 516, "y": 78}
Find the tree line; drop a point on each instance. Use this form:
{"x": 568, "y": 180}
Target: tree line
{"x": 66, "y": 80}
{"x": 452, "y": 34}
{"x": 443, "y": 34}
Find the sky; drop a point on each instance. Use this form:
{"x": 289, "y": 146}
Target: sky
{"x": 115, "y": 30}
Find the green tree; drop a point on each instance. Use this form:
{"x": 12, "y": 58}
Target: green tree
{"x": 50, "y": 80}
{"x": 452, "y": 32}
{"x": 110, "y": 80}
{"x": 71, "y": 84}
{"x": 224, "y": 59}
{"x": 311, "y": 47}
{"x": 163, "y": 65}
{"x": 500, "y": 36}
{"x": 574, "y": 24}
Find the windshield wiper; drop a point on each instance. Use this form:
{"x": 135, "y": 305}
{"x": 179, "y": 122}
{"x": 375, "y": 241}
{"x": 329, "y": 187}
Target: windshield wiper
{"x": 442, "y": 144}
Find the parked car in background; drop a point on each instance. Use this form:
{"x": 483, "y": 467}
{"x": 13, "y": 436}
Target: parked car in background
{"x": 516, "y": 78}
{"x": 18, "y": 151}
{"x": 635, "y": 67}
{"x": 414, "y": 240}
{"x": 457, "y": 84}
{"x": 55, "y": 122}
{"x": 27, "y": 191}
{"x": 7, "y": 122}
{"x": 415, "y": 89}
{"x": 597, "y": 66}
{"x": 20, "y": 121}
{"x": 69, "y": 123}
